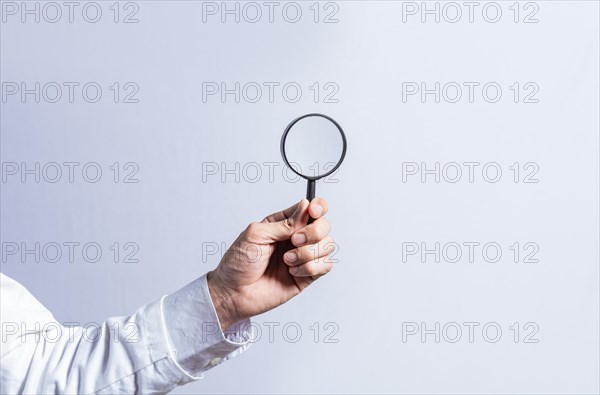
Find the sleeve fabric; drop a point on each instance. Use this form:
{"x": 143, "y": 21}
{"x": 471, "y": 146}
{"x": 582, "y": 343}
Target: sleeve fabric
{"x": 167, "y": 343}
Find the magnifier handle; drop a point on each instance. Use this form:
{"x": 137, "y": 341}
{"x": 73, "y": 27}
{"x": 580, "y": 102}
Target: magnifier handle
{"x": 310, "y": 195}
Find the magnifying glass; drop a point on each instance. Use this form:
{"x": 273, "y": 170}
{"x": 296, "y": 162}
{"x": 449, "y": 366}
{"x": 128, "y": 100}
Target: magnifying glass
{"x": 313, "y": 146}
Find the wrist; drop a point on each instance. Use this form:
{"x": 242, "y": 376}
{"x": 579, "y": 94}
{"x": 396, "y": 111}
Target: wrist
{"x": 222, "y": 301}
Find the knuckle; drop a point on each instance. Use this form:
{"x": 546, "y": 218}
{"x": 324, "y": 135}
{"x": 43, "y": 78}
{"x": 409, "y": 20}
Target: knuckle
{"x": 323, "y": 248}
{"x": 312, "y": 268}
{"x": 253, "y": 228}
{"x": 326, "y": 251}
{"x": 323, "y": 229}
{"x": 328, "y": 265}
{"x": 329, "y": 244}
{"x": 332, "y": 247}
{"x": 328, "y": 226}
{"x": 313, "y": 234}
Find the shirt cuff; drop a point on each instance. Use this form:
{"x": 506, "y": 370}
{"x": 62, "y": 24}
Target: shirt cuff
{"x": 193, "y": 332}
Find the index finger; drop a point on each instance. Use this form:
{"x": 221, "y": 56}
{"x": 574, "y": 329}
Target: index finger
{"x": 318, "y": 207}
{"x": 281, "y": 215}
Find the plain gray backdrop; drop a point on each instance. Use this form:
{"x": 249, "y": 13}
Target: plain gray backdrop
{"x": 365, "y": 57}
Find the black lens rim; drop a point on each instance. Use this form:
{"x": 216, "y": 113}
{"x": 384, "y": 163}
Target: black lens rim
{"x": 287, "y": 130}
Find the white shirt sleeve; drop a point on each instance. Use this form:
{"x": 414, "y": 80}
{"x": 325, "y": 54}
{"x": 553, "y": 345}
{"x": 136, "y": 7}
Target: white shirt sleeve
{"x": 164, "y": 344}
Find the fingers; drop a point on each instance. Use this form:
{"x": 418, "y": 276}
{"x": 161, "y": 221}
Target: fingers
{"x": 283, "y": 224}
{"x": 301, "y": 255}
{"x": 281, "y": 215}
{"x": 268, "y": 231}
{"x": 318, "y": 207}
{"x": 311, "y": 234}
{"x": 314, "y": 268}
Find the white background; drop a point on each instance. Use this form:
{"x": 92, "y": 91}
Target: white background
{"x": 177, "y": 209}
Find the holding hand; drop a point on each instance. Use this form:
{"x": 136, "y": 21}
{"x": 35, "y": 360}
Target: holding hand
{"x": 271, "y": 262}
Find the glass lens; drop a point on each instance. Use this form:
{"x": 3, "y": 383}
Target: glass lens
{"x": 313, "y": 146}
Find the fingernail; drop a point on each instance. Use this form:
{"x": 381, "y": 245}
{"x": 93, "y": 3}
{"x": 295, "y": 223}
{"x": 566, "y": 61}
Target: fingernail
{"x": 294, "y": 270}
{"x": 318, "y": 210}
{"x": 290, "y": 257}
{"x": 298, "y": 239}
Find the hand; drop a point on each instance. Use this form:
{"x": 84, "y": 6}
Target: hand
{"x": 271, "y": 262}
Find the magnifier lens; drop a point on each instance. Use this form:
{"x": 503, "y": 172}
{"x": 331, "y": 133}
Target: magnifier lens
{"x": 313, "y": 146}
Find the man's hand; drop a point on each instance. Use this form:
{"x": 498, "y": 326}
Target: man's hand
{"x": 271, "y": 262}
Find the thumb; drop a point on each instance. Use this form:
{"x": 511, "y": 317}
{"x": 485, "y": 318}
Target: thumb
{"x": 269, "y": 232}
